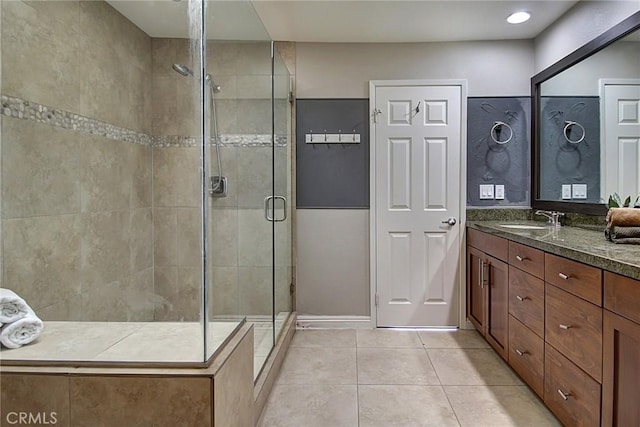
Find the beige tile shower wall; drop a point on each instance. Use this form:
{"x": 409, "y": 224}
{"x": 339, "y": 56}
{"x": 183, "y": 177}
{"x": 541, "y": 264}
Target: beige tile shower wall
{"x": 76, "y": 223}
{"x": 176, "y": 185}
{"x": 177, "y": 230}
{"x": 174, "y": 97}
{"x": 240, "y": 243}
{"x": 243, "y": 71}
{"x": 1, "y": 213}
{"x": 79, "y": 56}
{"x": 77, "y": 218}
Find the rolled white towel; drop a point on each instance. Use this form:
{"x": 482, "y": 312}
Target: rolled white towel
{"x": 12, "y": 307}
{"x": 22, "y": 331}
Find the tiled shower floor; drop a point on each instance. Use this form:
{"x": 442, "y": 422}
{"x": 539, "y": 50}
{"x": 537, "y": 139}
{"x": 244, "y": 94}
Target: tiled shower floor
{"x": 95, "y": 342}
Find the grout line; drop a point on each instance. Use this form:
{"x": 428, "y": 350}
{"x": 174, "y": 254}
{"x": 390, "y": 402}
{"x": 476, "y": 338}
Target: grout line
{"x": 455, "y": 414}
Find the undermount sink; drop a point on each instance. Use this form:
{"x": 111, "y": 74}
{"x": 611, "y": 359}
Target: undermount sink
{"x": 523, "y": 226}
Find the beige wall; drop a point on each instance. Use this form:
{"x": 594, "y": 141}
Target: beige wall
{"x": 582, "y": 23}
{"x": 76, "y": 219}
{"x": 333, "y": 245}
{"x": 333, "y": 262}
{"x": 343, "y": 70}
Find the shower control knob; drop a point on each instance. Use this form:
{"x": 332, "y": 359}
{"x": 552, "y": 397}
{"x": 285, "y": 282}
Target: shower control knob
{"x": 450, "y": 221}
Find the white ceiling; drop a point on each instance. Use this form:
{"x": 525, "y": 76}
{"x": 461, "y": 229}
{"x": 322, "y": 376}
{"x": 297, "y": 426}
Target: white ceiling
{"x": 348, "y": 20}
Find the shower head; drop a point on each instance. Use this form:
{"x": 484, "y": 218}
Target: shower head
{"x": 183, "y": 69}
{"x": 186, "y": 71}
{"x": 215, "y": 87}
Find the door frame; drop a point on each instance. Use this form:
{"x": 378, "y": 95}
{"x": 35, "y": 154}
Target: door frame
{"x": 373, "y": 84}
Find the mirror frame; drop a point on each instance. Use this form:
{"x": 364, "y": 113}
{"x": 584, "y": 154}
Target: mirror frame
{"x": 616, "y": 32}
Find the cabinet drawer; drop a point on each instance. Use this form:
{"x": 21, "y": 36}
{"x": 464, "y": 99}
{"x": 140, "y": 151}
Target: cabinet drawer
{"x": 570, "y": 393}
{"x": 526, "y": 299}
{"x": 574, "y": 277}
{"x": 488, "y": 243}
{"x": 526, "y": 258}
{"x": 622, "y": 296}
{"x": 526, "y": 354}
{"x": 574, "y": 327}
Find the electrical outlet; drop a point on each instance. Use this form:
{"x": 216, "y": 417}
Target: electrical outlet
{"x": 499, "y": 192}
{"x": 486, "y": 191}
{"x": 579, "y": 191}
{"x": 566, "y": 191}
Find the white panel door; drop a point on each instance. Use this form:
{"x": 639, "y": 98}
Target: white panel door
{"x": 621, "y": 148}
{"x": 417, "y": 190}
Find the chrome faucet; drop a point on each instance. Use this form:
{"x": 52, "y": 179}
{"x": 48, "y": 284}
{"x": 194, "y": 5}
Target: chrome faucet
{"x": 553, "y": 217}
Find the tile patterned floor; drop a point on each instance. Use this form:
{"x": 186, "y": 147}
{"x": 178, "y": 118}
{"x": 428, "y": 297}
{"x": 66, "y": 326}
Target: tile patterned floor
{"x": 370, "y": 378}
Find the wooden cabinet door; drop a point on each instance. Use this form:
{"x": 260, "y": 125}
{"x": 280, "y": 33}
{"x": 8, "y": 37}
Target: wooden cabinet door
{"x": 621, "y": 372}
{"x": 476, "y": 285}
{"x": 574, "y": 327}
{"x": 571, "y": 394}
{"x": 497, "y": 324}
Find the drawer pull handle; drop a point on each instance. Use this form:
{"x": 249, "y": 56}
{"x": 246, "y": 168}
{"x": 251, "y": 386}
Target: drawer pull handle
{"x": 563, "y": 276}
{"x": 521, "y": 353}
{"x": 564, "y": 395}
{"x": 565, "y": 327}
{"x": 519, "y": 258}
{"x": 522, "y": 298}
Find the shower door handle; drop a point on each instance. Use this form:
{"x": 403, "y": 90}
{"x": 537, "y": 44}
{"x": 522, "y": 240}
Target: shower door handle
{"x": 284, "y": 208}
{"x": 268, "y": 208}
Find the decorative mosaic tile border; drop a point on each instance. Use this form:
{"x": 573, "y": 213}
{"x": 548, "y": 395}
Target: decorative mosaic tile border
{"x": 229, "y": 140}
{"x": 27, "y": 110}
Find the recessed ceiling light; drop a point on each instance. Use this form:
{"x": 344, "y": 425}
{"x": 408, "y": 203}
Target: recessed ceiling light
{"x": 518, "y": 17}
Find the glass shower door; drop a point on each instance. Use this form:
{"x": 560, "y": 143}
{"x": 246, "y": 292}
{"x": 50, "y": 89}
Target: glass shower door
{"x": 282, "y": 188}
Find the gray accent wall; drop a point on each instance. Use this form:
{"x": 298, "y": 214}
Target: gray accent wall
{"x": 332, "y": 175}
{"x": 488, "y": 162}
{"x": 562, "y": 162}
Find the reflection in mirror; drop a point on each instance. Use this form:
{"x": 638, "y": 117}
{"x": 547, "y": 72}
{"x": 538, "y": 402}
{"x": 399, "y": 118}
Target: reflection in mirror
{"x": 589, "y": 126}
{"x": 587, "y": 123}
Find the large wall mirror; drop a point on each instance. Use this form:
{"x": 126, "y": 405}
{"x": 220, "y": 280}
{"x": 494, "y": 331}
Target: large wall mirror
{"x": 586, "y": 124}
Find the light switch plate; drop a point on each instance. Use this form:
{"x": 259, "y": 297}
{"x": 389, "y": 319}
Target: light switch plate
{"x": 579, "y": 191}
{"x": 566, "y": 191}
{"x": 486, "y": 191}
{"x": 499, "y": 192}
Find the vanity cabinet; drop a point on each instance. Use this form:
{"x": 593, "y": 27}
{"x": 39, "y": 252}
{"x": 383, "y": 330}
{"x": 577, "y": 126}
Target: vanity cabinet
{"x": 573, "y": 340}
{"x": 487, "y": 288}
{"x": 526, "y": 314}
{"x": 621, "y": 356}
{"x": 573, "y": 331}
{"x": 571, "y": 394}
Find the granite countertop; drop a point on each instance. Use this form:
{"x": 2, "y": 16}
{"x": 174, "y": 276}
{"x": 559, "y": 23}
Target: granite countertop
{"x": 580, "y": 244}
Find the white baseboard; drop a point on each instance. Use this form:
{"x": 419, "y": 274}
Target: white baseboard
{"x": 333, "y": 322}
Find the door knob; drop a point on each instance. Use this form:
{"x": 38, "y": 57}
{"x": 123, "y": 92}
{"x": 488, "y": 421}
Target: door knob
{"x": 450, "y": 221}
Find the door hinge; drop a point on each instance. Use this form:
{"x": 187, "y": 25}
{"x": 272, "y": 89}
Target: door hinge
{"x": 292, "y": 288}
{"x": 377, "y": 299}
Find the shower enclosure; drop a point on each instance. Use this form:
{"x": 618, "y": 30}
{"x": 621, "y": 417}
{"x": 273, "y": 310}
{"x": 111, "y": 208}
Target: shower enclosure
{"x": 117, "y": 119}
